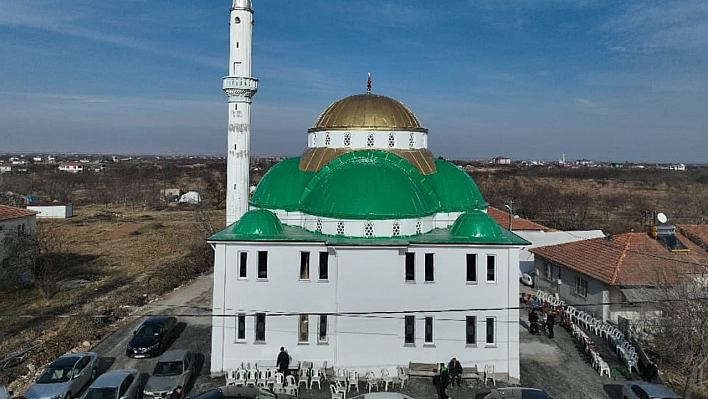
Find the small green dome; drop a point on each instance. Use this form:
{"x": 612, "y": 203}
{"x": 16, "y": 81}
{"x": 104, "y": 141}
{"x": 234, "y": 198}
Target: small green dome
{"x": 455, "y": 188}
{"x": 281, "y": 186}
{"x": 257, "y": 222}
{"x": 366, "y": 185}
{"x": 476, "y": 224}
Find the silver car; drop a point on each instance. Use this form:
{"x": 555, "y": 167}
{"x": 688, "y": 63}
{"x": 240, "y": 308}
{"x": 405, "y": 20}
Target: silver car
{"x": 65, "y": 376}
{"x": 174, "y": 368}
{"x": 115, "y": 384}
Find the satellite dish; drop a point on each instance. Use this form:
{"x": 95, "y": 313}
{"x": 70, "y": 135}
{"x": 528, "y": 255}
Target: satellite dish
{"x": 661, "y": 217}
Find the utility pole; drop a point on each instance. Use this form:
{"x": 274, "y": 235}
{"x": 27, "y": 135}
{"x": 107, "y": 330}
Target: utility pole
{"x": 510, "y": 206}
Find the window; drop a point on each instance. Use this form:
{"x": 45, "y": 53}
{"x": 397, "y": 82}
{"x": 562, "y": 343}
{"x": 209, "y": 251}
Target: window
{"x": 410, "y": 266}
{"x": 324, "y": 266}
{"x": 471, "y": 268}
{"x": 411, "y": 140}
{"x": 241, "y": 327}
{"x": 428, "y": 330}
{"x": 322, "y": 329}
{"x": 318, "y": 225}
{"x": 314, "y": 140}
{"x": 370, "y": 141}
{"x": 304, "y": 265}
{"x": 429, "y": 272}
{"x": 491, "y": 268}
{"x": 327, "y": 140}
{"x": 396, "y": 229}
{"x": 490, "y": 330}
{"x": 262, "y": 264}
{"x": 260, "y": 327}
{"x": 471, "y": 330}
{"x": 340, "y": 228}
{"x": 242, "y": 264}
{"x": 548, "y": 271}
{"x": 347, "y": 139}
{"x": 391, "y": 140}
{"x": 302, "y": 329}
{"x": 418, "y": 227}
{"x": 368, "y": 229}
{"x": 409, "y": 330}
{"x": 580, "y": 287}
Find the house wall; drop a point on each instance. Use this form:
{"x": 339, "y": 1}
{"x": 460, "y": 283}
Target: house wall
{"x": 10, "y": 229}
{"x": 366, "y": 280}
{"x": 597, "y": 291}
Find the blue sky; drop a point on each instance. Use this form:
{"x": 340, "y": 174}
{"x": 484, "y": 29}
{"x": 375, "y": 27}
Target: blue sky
{"x": 532, "y": 79}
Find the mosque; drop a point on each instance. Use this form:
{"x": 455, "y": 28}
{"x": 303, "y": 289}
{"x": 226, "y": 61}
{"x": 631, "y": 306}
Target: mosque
{"x": 366, "y": 251}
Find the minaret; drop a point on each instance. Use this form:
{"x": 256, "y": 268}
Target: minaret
{"x": 239, "y": 86}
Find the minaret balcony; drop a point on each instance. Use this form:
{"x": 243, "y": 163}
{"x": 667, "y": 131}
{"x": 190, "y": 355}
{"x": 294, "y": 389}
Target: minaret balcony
{"x": 240, "y": 86}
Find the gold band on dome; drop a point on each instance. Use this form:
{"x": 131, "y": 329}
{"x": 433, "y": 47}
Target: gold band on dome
{"x": 314, "y": 159}
{"x": 368, "y": 112}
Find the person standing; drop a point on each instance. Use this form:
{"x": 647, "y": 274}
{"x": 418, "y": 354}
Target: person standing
{"x": 533, "y": 322}
{"x": 550, "y": 322}
{"x": 455, "y": 369}
{"x": 283, "y": 361}
{"x": 444, "y": 381}
{"x": 652, "y": 372}
{"x": 177, "y": 393}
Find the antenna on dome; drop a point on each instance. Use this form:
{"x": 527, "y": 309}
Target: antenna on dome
{"x": 368, "y": 84}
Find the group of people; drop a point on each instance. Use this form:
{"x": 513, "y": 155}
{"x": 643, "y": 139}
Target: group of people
{"x": 450, "y": 373}
{"x": 547, "y": 318}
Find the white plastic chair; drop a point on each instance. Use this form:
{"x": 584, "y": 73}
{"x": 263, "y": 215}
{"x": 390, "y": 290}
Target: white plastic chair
{"x": 262, "y": 378}
{"x": 252, "y": 377}
{"x": 315, "y": 378}
{"x": 270, "y": 377}
{"x": 335, "y": 393}
{"x": 371, "y": 381}
{"x": 240, "y": 378}
{"x": 279, "y": 383}
{"x": 303, "y": 377}
{"x": 386, "y": 378}
{"x": 353, "y": 381}
{"x": 402, "y": 375}
{"x": 489, "y": 374}
{"x": 291, "y": 385}
{"x": 230, "y": 377}
{"x": 341, "y": 377}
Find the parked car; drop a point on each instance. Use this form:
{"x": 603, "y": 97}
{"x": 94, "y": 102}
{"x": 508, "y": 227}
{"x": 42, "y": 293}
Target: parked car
{"x": 647, "y": 390}
{"x": 115, "y": 384}
{"x": 517, "y": 393}
{"x": 65, "y": 376}
{"x": 4, "y": 393}
{"x": 152, "y": 337}
{"x": 242, "y": 392}
{"x": 174, "y": 368}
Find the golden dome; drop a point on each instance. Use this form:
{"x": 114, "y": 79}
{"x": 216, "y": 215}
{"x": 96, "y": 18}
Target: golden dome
{"x": 367, "y": 112}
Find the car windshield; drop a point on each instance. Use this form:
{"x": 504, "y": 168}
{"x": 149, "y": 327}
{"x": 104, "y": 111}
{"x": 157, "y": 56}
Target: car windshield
{"x": 168, "y": 368}
{"x": 101, "y": 393}
{"x": 148, "y": 330}
{"x": 55, "y": 374}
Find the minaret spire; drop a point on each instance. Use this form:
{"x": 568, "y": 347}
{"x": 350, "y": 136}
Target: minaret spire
{"x": 240, "y": 87}
{"x": 368, "y": 84}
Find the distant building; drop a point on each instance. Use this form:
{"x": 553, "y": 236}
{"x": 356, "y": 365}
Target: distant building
{"x": 71, "y": 167}
{"x": 679, "y": 166}
{"x": 501, "y": 161}
{"x": 5, "y": 168}
{"x": 52, "y": 210}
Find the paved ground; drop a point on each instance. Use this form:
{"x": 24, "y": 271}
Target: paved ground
{"x": 557, "y": 365}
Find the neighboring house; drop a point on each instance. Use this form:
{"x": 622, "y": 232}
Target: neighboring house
{"x": 697, "y": 233}
{"x": 72, "y": 167}
{"x": 52, "y": 210}
{"x": 538, "y": 235}
{"x": 171, "y": 194}
{"x": 616, "y": 276}
{"x": 14, "y": 223}
{"x": 5, "y": 168}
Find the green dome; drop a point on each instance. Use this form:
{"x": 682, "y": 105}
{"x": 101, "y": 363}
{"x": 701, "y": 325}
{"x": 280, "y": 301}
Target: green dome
{"x": 476, "y": 224}
{"x": 455, "y": 188}
{"x": 258, "y": 222}
{"x": 366, "y": 185}
{"x": 282, "y": 186}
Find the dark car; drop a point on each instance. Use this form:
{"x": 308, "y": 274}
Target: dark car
{"x": 646, "y": 390}
{"x": 242, "y": 392}
{"x": 152, "y": 337}
{"x": 174, "y": 369}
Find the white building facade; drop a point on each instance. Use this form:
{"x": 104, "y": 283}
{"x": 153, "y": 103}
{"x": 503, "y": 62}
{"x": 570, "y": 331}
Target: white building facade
{"x": 52, "y": 210}
{"x": 15, "y": 224}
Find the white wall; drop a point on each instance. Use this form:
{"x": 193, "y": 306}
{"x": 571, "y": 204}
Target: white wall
{"x": 539, "y": 238}
{"x": 53, "y": 211}
{"x": 9, "y": 230}
{"x": 367, "y": 279}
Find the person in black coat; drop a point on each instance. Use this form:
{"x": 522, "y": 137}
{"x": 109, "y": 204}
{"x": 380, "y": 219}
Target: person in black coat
{"x": 455, "y": 369}
{"x": 550, "y": 322}
{"x": 533, "y": 322}
{"x": 283, "y": 361}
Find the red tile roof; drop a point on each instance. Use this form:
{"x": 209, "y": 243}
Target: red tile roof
{"x": 10, "y": 212}
{"x": 698, "y": 233}
{"x": 502, "y": 219}
{"x": 630, "y": 259}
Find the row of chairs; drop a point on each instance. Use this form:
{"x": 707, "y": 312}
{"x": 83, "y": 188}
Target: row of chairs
{"x": 596, "y": 361}
{"x": 267, "y": 378}
{"x": 552, "y": 299}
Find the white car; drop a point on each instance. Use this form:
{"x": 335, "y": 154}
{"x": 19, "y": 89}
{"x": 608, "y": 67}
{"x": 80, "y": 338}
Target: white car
{"x": 115, "y": 384}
